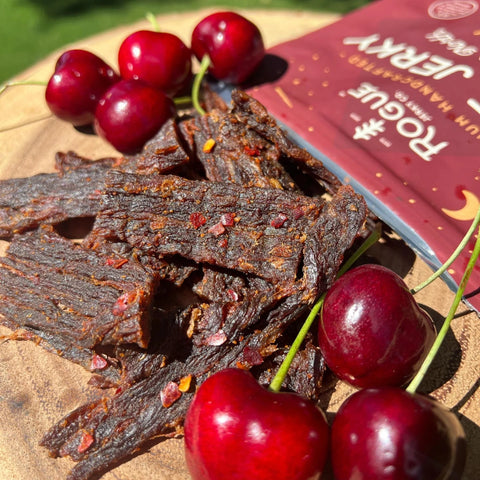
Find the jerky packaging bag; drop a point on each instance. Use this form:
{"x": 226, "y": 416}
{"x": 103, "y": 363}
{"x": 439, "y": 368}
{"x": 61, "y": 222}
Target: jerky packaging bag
{"x": 389, "y": 98}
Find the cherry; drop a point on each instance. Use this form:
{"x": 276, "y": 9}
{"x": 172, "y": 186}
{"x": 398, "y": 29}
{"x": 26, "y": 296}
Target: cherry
{"x": 233, "y": 43}
{"x": 372, "y": 332}
{"x": 158, "y": 58}
{"x": 237, "y": 429}
{"x": 78, "y": 54}
{"x": 130, "y": 113}
{"x": 391, "y": 434}
{"x": 79, "y": 80}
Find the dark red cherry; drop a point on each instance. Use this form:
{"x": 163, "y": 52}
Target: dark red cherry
{"x": 130, "y": 113}
{"x": 79, "y": 80}
{"x": 158, "y": 58}
{"x": 390, "y": 434}
{"x": 372, "y": 331}
{"x": 235, "y": 429}
{"x": 233, "y": 43}
{"x": 78, "y": 54}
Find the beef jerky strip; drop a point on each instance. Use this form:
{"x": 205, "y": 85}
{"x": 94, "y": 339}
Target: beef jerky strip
{"x": 51, "y": 198}
{"x": 104, "y": 433}
{"x": 116, "y": 427}
{"x": 103, "y": 365}
{"x": 264, "y": 232}
{"x": 164, "y": 153}
{"x": 229, "y": 152}
{"x": 256, "y": 117}
{"x": 68, "y": 161}
{"x": 254, "y": 230}
{"x": 305, "y": 374}
{"x": 212, "y": 100}
{"x": 52, "y": 284}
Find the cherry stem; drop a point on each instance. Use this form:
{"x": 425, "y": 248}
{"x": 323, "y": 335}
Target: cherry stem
{"x": 22, "y": 82}
{"x": 197, "y": 82}
{"x": 26, "y": 122}
{"x": 417, "y": 380}
{"x": 452, "y": 258}
{"x": 153, "y": 21}
{"x": 276, "y": 383}
{"x": 182, "y": 101}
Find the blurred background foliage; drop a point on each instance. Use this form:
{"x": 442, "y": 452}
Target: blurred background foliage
{"x": 31, "y": 29}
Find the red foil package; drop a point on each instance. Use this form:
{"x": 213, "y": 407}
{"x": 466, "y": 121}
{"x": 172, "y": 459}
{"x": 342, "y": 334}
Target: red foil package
{"x": 389, "y": 98}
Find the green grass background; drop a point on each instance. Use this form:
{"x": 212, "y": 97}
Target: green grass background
{"x": 31, "y": 29}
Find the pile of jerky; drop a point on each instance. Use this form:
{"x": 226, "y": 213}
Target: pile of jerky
{"x": 205, "y": 251}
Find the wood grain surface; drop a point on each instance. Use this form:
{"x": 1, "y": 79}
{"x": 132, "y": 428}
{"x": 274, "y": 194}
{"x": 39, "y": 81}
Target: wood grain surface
{"x": 38, "y": 388}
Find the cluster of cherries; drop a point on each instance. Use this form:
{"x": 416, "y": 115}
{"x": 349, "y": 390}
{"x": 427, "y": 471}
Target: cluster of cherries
{"x": 374, "y": 336}
{"x": 128, "y": 108}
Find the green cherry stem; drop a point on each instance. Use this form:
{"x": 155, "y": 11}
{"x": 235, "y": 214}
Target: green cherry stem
{"x": 276, "y": 383}
{"x": 22, "y": 82}
{"x": 182, "y": 101}
{"x": 417, "y": 380}
{"x": 153, "y": 21}
{"x": 452, "y": 258}
{"x": 197, "y": 82}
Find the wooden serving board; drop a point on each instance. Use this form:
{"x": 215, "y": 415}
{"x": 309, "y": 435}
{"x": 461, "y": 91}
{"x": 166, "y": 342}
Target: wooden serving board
{"x": 38, "y": 388}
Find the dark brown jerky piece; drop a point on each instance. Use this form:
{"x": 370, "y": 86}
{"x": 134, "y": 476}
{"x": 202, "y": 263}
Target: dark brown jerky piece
{"x": 211, "y": 100}
{"x": 108, "y": 370}
{"x": 253, "y": 230}
{"x": 51, "y": 284}
{"x": 118, "y": 426}
{"x": 341, "y": 221}
{"x": 138, "y": 413}
{"x": 164, "y": 153}
{"x": 305, "y": 374}
{"x": 231, "y": 153}
{"x": 68, "y": 161}
{"x": 50, "y": 198}
{"x": 255, "y": 116}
